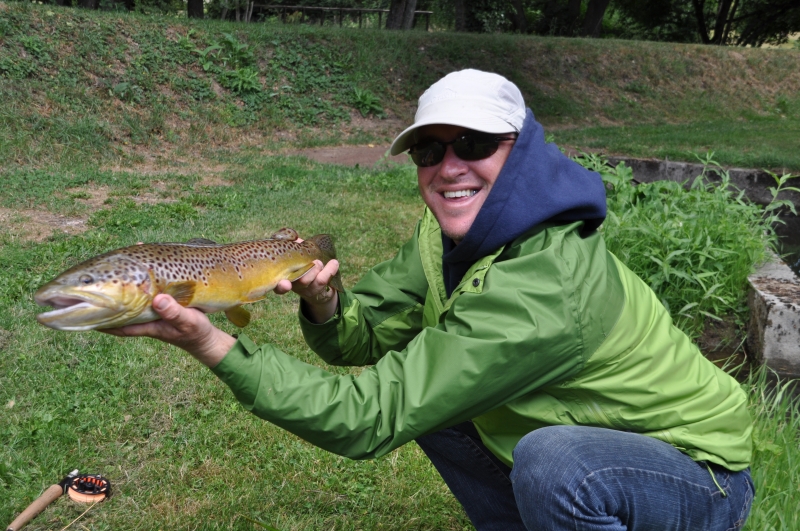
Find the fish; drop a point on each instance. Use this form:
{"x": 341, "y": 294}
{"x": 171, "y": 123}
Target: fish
{"x": 117, "y": 288}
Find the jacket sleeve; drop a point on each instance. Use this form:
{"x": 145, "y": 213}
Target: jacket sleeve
{"x": 490, "y": 348}
{"x": 383, "y": 312}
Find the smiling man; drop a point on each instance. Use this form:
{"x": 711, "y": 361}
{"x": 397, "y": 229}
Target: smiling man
{"x": 543, "y": 379}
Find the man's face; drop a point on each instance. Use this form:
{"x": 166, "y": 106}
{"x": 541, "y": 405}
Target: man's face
{"x": 455, "y": 189}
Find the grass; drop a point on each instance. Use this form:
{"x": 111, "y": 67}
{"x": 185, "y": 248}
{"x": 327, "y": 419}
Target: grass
{"x": 113, "y": 86}
{"x": 179, "y": 450}
{"x": 156, "y": 129}
{"x": 177, "y": 447}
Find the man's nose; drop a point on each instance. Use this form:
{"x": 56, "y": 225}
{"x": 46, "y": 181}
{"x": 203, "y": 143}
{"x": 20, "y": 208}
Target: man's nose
{"x": 452, "y": 165}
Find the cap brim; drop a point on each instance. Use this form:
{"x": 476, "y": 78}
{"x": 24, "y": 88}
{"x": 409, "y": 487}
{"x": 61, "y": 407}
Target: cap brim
{"x": 484, "y": 123}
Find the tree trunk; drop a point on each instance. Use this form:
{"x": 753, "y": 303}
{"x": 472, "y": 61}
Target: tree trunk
{"x": 520, "y": 23}
{"x": 394, "y": 19}
{"x": 701, "y": 20}
{"x": 593, "y": 23}
{"x": 408, "y": 15}
{"x": 461, "y": 16}
{"x": 194, "y": 8}
{"x": 573, "y": 16}
{"x": 401, "y": 14}
{"x": 720, "y": 23}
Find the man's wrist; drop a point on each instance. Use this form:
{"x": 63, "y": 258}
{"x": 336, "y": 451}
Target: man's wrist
{"x": 320, "y": 313}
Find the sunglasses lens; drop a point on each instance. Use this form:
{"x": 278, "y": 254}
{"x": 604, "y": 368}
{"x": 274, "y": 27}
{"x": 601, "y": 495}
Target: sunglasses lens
{"x": 467, "y": 147}
{"x": 474, "y": 147}
{"x": 427, "y": 154}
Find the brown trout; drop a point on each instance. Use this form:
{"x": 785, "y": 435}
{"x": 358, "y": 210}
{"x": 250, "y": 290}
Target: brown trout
{"x": 117, "y": 288}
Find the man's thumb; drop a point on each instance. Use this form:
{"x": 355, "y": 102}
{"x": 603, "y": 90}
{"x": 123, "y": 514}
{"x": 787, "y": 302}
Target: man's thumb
{"x": 166, "y": 307}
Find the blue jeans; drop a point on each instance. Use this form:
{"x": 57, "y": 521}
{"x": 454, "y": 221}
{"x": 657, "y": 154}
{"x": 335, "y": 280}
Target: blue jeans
{"x": 581, "y": 478}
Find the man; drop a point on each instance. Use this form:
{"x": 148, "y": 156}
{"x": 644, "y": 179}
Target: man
{"x": 544, "y": 380}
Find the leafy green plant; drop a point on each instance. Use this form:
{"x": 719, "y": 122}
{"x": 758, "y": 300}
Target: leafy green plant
{"x": 367, "y": 102}
{"x": 241, "y": 80}
{"x": 234, "y": 53}
{"x": 694, "y": 245}
{"x": 127, "y": 92}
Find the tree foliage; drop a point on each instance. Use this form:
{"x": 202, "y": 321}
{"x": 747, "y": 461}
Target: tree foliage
{"x": 722, "y": 22}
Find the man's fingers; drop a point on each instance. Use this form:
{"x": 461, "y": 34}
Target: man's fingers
{"x": 283, "y": 286}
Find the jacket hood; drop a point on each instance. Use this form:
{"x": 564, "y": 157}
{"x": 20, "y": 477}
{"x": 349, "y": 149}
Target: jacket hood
{"x": 538, "y": 183}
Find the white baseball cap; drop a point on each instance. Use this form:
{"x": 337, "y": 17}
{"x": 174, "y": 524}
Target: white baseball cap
{"x": 477, "y": 100}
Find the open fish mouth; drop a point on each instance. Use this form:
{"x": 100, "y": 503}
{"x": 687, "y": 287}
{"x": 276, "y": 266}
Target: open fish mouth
{"x": 72, "y": 313}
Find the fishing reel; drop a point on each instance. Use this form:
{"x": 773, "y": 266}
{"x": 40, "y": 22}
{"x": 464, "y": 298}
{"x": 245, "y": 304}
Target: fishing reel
{"x": 88, "y": 488}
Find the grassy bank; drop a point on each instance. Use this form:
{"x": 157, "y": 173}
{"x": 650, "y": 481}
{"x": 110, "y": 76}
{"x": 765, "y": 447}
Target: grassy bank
{"x": 111, "y": 87}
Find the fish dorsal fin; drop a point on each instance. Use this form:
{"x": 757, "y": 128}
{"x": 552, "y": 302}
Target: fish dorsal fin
{"x": 238, "y": 316}
{"x": 325, "y": 244}
{"x": 285, "y": 234}
{"x": 183, "y": 292}
{"x": 201, "y": 241}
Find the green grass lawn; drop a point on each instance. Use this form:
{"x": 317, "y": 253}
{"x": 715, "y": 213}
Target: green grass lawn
{"x": 180, "y": 451}
{"x": 760, "y": 142}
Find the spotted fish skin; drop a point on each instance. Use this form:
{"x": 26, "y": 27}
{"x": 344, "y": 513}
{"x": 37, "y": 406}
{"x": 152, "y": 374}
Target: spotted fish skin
{"x": 117, "y": 288}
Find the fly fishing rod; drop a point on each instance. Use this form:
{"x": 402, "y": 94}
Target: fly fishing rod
{"x": 82, "y": 488}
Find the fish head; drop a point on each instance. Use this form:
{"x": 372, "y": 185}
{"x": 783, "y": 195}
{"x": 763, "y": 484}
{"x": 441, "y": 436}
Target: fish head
{"x": 107, "y": 291}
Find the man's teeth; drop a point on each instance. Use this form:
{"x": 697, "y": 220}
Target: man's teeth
{"x": 460, "y": 193}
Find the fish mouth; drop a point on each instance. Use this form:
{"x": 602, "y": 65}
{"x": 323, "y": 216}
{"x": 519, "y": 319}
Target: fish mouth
{"x": 78, "y": 311}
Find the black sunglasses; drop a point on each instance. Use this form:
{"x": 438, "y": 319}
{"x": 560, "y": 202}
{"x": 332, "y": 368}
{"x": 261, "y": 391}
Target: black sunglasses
{"x": 469, "y": 146}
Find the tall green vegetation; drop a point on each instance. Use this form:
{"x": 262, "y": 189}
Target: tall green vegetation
{"x": 694, "y": 245}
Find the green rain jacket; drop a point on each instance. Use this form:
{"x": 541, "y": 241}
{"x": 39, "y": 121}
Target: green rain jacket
{"x": 551, "y": 329}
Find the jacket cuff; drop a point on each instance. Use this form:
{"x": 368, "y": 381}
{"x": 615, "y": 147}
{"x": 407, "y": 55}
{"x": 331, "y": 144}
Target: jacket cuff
{"x": 240, "y": 369}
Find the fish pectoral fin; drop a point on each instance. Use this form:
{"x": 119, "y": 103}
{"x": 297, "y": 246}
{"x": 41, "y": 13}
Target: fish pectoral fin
{"x": 238, "y": 315}
{"x": 183, "y": 292}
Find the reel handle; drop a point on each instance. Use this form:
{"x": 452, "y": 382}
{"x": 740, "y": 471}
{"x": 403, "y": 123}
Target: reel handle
{"x": 39, "y": 505}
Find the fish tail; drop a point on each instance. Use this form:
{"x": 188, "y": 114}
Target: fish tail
{"x": 325, "y": 244}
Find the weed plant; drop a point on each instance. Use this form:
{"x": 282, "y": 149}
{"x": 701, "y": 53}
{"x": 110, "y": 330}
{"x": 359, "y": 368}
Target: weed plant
{"x": 775, "y": 409}
{"x": 693, "y": 243}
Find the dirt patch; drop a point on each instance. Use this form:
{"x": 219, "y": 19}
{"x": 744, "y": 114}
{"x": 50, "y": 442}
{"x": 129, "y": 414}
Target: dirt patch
{"x": 722, "y": 342}
{"x": 362, "y": 156}
{"x": 37, "y": 225}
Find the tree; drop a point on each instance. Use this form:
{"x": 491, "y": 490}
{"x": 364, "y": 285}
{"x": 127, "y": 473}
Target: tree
{"x": 401, "y": 14}
{"x": 720, "y": 22}
{"x": 194, "y": 8}
{"x": 593, "y": 20}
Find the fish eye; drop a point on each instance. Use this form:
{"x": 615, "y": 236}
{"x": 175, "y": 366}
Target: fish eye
{"x": 85, "y": 279}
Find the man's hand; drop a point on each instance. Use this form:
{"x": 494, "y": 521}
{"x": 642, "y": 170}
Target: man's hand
{"x": 186, "y": 328}
{"x": 319, "y": 300}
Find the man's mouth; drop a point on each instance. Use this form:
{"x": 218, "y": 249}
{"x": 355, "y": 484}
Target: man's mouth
{"x": 459, "y": 193}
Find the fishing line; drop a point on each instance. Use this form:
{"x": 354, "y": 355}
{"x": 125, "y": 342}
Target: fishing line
{"x": 81, "y": 516}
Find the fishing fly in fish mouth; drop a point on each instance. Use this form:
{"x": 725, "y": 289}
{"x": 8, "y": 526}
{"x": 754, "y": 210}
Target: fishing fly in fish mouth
{"x": 117, "y": 288}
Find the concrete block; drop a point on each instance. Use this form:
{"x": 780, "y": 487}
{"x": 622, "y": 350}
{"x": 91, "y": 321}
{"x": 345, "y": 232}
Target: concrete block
{"x": 773, "y": 334}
